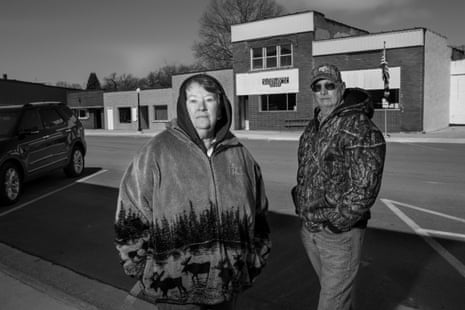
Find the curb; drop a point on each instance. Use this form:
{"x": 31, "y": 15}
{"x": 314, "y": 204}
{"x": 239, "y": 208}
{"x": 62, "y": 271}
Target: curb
{"x": 65, "y": 285}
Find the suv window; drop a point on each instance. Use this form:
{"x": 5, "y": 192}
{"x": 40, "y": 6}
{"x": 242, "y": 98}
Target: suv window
{"x": 66, "y": 112}
{"x": 51, "y": 118}
{"x": 30, "y": 121}
{"x": 8, "y": 120}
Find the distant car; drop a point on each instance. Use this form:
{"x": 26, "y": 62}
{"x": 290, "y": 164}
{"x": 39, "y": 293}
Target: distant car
{"x": 36, "y": 138}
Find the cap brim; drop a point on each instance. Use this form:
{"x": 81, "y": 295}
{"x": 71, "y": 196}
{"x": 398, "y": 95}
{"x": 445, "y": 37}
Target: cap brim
{"x": 322, "y": 77}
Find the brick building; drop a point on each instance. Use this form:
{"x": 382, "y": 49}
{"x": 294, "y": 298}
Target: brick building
{"x": 88, "y": 107}
{"x": 273, "y": 59}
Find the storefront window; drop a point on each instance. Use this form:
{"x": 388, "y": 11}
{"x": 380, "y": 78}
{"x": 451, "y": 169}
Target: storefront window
{"x": 82, "y": 113}
{"x": 278, "y": 102}
{"x": 124, "y": 115}
{"x": 379, "y": 102}
{"x": 161, "y": 112}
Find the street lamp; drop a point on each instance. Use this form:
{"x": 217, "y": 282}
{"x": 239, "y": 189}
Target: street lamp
{"x": 139, "y": 128}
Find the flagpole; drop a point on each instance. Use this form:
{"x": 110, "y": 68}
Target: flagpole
{"x": 386, "y": 86}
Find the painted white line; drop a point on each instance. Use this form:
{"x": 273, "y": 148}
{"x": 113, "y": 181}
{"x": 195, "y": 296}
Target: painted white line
{"x": 427, "y": 237}
{"x": 21, "y": 206}
{"x": 91, "y": 176}
{"x": 450, "y": 217}
{"x": 438, "y": 233}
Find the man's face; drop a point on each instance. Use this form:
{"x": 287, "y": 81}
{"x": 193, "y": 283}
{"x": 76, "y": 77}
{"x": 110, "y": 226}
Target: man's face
{"x": 327, "y": 93}
{"x": 203, "y": 109}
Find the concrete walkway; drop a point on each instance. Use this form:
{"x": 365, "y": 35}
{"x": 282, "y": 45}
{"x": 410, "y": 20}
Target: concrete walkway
{"x": 18, "y": 295}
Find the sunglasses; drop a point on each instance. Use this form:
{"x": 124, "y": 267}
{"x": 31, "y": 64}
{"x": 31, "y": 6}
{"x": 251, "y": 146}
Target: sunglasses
{"x": 328, "y": 86}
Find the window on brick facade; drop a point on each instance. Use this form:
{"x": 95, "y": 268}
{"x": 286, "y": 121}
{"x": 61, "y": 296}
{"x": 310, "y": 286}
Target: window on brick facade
{"x": 278, "y": 102}
{"x": 257, "y": 58}
{"x": 124, "y": 115}
{"x": 285, "y": 59}
{"x": 270, "y": 57}
{"x": 371, "y": 80}
{"x": 160, "y": 112}
{"x": 82, "y": 113}
{"x": 377, "y": 96}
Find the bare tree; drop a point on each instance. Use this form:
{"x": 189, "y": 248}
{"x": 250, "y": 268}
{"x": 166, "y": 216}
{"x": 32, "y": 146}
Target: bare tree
{"x": 110, "y": 83}
{"x": 122, "y": 82}
{"x": 214, "y": 48}
{"x": 127, "y": 82}
{"x": 162, "y": 77}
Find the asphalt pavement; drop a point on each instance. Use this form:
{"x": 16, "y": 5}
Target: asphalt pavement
{"x": 19, "y": 271}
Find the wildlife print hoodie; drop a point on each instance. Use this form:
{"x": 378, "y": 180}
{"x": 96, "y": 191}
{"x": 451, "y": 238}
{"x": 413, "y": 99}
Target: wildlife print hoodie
{"x": 192, "y": 228}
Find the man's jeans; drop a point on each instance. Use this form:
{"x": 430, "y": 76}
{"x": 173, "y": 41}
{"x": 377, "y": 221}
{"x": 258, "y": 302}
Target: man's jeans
{"x": 336, "y": 258}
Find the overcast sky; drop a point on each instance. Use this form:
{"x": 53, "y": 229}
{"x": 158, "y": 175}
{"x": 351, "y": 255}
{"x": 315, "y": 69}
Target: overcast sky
{"x": 64, "y": 40}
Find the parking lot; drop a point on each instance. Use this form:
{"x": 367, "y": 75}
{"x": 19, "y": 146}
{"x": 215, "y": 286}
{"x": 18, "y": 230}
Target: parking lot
{"x": 414, "y": 254}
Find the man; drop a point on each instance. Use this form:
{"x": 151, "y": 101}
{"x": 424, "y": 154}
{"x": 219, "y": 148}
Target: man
{"x": 191, "y": 219}
{"x": 341, "y": 159}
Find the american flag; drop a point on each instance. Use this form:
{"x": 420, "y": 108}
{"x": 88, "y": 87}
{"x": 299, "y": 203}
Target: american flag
{"x": 385, "y": 70}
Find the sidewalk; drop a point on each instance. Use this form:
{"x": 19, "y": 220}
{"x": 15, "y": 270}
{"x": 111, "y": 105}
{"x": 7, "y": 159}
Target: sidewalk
{"x": 18, "y": 295}
{"x": 28, "y": 282}
{"x": 455, "y": 134}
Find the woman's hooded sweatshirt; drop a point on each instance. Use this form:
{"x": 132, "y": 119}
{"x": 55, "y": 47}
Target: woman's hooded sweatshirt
{"x": 190, "y": 227}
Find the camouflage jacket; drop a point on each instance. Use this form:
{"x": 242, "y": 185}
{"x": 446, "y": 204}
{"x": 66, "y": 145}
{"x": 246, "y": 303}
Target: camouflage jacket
{"x": 341, "y": 163}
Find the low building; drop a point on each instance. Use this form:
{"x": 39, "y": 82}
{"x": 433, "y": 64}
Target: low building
{"x": 88, "y": 107}
{"x": 14, "y": 92}
{"x": 457, "y": 92}
{"x": 122, "y": 109}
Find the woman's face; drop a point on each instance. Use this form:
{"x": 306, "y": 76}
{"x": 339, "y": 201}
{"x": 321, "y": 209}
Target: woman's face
{"x": 203, "y": 109}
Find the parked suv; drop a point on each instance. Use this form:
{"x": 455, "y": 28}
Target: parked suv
{"x": 36, "y": 138}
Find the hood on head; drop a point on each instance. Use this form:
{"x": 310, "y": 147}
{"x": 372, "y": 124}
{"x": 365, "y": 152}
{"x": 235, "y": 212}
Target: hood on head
{"x": 354, "y": 100}
{"x": 184, "y": 122}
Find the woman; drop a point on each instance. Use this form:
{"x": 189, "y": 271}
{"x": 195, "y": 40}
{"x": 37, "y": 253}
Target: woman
{"x": 191, "y": 217}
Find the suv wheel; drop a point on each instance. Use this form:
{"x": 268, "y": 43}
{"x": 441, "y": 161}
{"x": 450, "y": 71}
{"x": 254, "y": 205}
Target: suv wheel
{"x": 11, "y": 184}
{"x": 75, "y": 166}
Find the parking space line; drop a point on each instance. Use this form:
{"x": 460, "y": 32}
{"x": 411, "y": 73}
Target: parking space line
{"x": 21, "y": 206}
{"x": 450, "y": 217}
{"x": 91, "y": 176}
{"x": 427, "y": 237}
{"x": 439, "y": 233}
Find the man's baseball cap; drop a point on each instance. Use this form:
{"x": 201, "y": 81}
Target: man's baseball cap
{"x": 326, "y": 72}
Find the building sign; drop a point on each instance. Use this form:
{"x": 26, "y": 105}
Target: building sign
{"x": 275, "y": 82}
{"x": 267, "y": 82}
